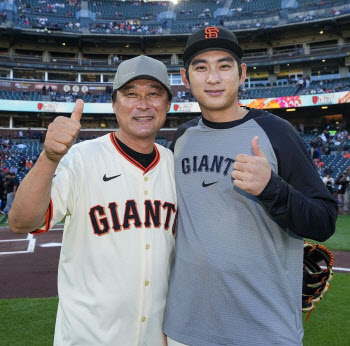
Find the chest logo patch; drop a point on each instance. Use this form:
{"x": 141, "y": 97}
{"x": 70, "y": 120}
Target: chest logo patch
{"x": 204, "y": 184}
{"x": 110, "y": 178}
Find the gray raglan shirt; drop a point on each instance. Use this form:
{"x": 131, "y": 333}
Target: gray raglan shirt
{"x": 237, "y": 273}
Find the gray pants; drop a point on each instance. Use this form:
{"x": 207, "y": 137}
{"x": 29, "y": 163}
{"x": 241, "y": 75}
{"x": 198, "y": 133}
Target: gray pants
{"x": 10, "y": 198}
{"x": 341, "y": 199}
{"x": 347, "y": 201}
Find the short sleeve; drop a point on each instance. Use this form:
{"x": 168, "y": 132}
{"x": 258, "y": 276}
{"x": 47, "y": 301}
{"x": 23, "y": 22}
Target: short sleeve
{"x": 64, "y": 190}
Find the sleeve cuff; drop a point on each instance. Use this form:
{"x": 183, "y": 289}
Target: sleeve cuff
{"x": 49, "y": 214}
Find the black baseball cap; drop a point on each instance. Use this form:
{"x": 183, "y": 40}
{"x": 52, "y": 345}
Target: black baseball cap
{"x": 211, "y": 38}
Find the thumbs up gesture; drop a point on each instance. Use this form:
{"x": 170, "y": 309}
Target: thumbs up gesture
{"x": 62, "y": 133}
{"x": 251, "y": 173}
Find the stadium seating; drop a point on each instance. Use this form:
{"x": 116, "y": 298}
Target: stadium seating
{"x": 189, "y": 26}
{"x": 57, "y": 8}
{"x": 323, "y": 84}
{"x": 334, "y": 85}
{"x": 19, "y": 95}
{"x": 308, "y": 137}
{"x": 337, "y": 163}
{"x": 256, "y": 6}
{"x": 263, "y": 91}
{"x": 29, "y": 149}
{"x": 125, "y": 27}
{"x": 262, "y": 24}
{"x": 188, "y": 10}
{"x": 267, "y": 92}
{"x": 127, "y": 9}
{"x": 60, "y": 15}
{"x": 334, "y": 160}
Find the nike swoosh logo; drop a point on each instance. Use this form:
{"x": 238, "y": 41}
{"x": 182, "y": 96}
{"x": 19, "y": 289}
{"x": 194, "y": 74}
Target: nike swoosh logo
{"x": 110, "y": 178}
{"x": 206, "y": 185}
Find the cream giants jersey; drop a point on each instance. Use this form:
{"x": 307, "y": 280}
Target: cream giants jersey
{"x": 117, "y": 245}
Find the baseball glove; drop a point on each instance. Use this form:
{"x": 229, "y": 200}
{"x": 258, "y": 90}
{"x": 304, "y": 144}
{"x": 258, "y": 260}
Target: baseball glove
{"x": 315, "y": 279}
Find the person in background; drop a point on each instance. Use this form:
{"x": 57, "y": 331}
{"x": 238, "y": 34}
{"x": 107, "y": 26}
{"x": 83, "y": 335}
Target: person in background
{"x": 329, "y": 182}
{"x": 342, "y": 182}
{"x": 11, "y": 185}
{"x": 328, "y": 170}
{"x": 347, "y": 193}
{"x": 2, "y": 192}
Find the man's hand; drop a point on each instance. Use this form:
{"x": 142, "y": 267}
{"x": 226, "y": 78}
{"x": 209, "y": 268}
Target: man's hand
{"x": 62, "y": 133}
{"x": 251, "y": 173}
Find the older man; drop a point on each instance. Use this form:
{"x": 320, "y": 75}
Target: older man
{"x": 118, "y": 198}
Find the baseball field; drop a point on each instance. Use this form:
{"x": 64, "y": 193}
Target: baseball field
{"x": 28, "y": 293}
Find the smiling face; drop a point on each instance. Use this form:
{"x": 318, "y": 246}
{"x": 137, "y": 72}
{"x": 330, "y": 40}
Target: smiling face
{"x": 141, "y": 107}
{"x": 214, "y": 81}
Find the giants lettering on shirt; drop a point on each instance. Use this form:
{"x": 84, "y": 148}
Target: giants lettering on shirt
{"x": 104, "y": 219}
{"x": 215, "y": 164}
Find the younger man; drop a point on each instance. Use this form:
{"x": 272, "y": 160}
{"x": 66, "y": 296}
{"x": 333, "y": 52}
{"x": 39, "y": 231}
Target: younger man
{"x": 237, "y": 272}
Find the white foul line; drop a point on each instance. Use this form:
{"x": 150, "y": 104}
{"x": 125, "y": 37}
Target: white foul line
{"x": 30, "y": 247}
{"x": 51, "y": 245}
{"x": 31, "y": 244}
{"x": 338, "y": 268}
{"x": 4, "y": 240}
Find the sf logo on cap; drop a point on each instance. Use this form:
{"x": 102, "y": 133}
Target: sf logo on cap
{"x": 211, "y": 32}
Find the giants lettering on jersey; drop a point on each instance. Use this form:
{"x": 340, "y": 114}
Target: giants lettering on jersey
{"x": 205, "y": 164}
{"x": 155, "y": 213}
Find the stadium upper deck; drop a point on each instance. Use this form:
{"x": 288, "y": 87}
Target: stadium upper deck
{"x": 163, "y": 17}
{"x": 80, "y": 43}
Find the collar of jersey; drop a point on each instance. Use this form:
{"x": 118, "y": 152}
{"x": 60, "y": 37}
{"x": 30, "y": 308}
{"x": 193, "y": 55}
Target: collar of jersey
{"x": 229, "y": 124}
{"x": 131, "y": 159}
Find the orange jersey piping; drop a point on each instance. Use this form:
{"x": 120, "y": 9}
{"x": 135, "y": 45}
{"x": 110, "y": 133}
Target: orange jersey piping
{"x": 132, "y": 160}
{"x": 49, "y": 214}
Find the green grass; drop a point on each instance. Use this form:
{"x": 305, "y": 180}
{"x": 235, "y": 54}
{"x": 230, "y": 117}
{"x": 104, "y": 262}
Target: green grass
{"x": 329, "y": 322}
{"x": 3, "y": 221}
{"x": 31, "y": 321}
{"x": 341, "y": 238}
{"x": 27, "y": 322}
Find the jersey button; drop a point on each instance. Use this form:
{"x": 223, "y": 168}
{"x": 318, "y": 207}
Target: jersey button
{"x": 147, "y": 283}
{"x": 146, "y": 179}
{"x": 146, "y": 192}
{"x": 144, "y": 319}
{"x": 148, "y": 246}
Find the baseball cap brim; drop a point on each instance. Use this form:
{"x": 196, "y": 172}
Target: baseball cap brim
{"x": 210, "y": 49}
{"x": 207, "y": 45}
{"x": 141, "y": 67}
{"x": 144, "y": 76}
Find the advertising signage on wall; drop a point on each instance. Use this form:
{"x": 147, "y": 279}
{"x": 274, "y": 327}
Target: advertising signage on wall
{"x": 58, "y": 87}
{"x": 181, "y": 107}
{"x": 275, "y": 102}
